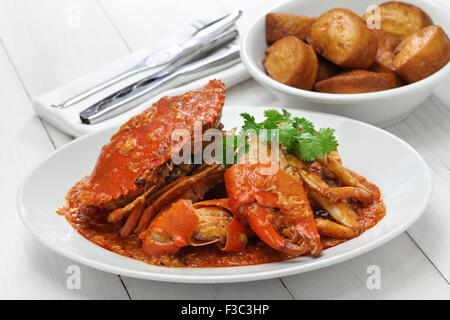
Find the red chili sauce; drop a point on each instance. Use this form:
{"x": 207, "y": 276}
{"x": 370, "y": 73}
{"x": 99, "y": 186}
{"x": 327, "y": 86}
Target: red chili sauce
{"x": 93, "y": 225}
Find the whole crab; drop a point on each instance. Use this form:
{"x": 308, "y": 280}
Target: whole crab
{"x": 137, "y": 160}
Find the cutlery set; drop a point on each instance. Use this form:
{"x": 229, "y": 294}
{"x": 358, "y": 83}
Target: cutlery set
{"x": 210, "y": 49}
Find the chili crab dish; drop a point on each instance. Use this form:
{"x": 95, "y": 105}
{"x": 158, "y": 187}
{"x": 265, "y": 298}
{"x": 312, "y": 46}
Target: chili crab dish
{"x": 282, "y": 193}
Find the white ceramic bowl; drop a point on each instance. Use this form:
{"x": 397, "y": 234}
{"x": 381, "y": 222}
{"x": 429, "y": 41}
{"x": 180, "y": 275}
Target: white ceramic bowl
{"x": 381, "y": 108}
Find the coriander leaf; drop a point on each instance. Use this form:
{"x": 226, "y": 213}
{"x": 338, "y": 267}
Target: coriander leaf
{"x": 249, "y": 122}
{"x": 307, "y": 146}
{"x": 297, "y": 135}
{"x": 305, "y": 125}
{"x": 286, "y": 134}
{"x": 274, "y": 117}
{"x": 327, "y": 140}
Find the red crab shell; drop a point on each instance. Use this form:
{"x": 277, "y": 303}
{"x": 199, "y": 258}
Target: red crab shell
{"x": 144, "y": 142}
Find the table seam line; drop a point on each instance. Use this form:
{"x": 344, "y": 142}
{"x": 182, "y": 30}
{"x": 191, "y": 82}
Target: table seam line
{"x": 420, "y": 138}
{"x": 27, "y": 93}
{"x": 428, "y": 258}
{"x": 105, "y": 12}
{"x": 287, "y": 288}
{"x": 438, "y": 100}
{"x": 219, "y": 3}
{"x": 116, "y": 29}
{"x": 125, "y": 287}
{"x": 16, "y": 71}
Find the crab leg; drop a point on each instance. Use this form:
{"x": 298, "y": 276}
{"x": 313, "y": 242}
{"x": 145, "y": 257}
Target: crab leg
{"x": 326, "y": 197}
{"x": 314, "y": 181}
{"x": 335, "y": 166}
{"x": 117, "y": 215}
{"x": 174, "y": 191}
{"x": 329, "y": 228}
{"x": 132, "y": 220}
{"x": 137, "y": 206}
{"x": 337, "y": 209}
{"x": 337, "y": 193}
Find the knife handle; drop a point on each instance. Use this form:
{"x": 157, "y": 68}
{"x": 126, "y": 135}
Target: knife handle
{"x": 103, "y": 85}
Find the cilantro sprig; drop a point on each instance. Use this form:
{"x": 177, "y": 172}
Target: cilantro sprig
{"x": 297, "y": 135}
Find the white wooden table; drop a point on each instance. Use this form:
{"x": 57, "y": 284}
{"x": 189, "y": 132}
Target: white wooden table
{"x": 42, "y": 46}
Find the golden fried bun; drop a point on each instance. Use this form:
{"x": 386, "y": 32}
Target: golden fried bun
{"x": 280, "y": 25}
{"x": 292, "y": 62}
{"x": 386, "y": 41}
{"x": 326, "y": 69}
{"x": 342, "y": 37}
{"x": 385, "y": 53}
{"x": 358, "y": 81}
{"x": 422, "y": 54}
{"x": 399, "y": 18}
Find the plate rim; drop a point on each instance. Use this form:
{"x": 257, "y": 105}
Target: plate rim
{"x": 262, "y": 275}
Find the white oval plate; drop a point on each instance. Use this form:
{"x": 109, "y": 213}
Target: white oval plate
{"x": 393, "y": 165}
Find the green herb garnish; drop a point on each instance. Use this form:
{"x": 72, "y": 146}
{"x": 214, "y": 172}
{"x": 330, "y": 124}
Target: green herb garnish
{"x": 297, "y": 135}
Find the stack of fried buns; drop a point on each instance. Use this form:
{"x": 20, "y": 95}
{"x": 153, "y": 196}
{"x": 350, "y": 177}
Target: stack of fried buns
{"x": 394, "y": 44}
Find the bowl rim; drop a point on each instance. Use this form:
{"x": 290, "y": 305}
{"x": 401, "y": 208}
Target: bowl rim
{"x": 265, "y": 80}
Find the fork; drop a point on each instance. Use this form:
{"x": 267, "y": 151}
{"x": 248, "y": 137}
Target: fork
{"x": 153, "y": 60}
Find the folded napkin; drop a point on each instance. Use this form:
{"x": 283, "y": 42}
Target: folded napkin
{"x": 68, "y": 121}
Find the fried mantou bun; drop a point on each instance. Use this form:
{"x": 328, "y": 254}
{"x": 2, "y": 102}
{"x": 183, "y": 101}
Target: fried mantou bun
{"x": 280, "y": 25}
{"x": 385, "y": 54}
{"x": 326, "y": 69}
{"x": 422, "y": 54}
{"x": 399, "y": 18}
{"x": 358, "y": 81}
{"x": 292, "y": 62}
{"x": 342, "y": 37}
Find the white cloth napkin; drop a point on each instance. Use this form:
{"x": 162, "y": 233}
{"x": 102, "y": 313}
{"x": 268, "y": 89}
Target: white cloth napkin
{"x": 68, "y": 121}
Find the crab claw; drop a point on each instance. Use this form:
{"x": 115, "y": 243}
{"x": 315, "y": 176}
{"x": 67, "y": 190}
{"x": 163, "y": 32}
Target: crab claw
{"x": 171, "y": 230}
{"x": 184, "y": 224}
{"x": 236, "y": 237}
{"x": 275, "y": 206}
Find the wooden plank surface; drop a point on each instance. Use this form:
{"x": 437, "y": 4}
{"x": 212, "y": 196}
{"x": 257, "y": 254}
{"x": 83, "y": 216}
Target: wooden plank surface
{"x": 141, "y": 23}
{"x": 28, "y": 269}
{"x": 267, "y": 289}
{"x": 49, "y": 48}
{"x": 405, "y": 273}
{"x": 412, "y": 266}
{"x": 427, "y": 131}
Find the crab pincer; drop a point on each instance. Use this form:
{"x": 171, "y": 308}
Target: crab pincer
{"x": 276, "y": 208}
{"x": 185, "y": 224}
